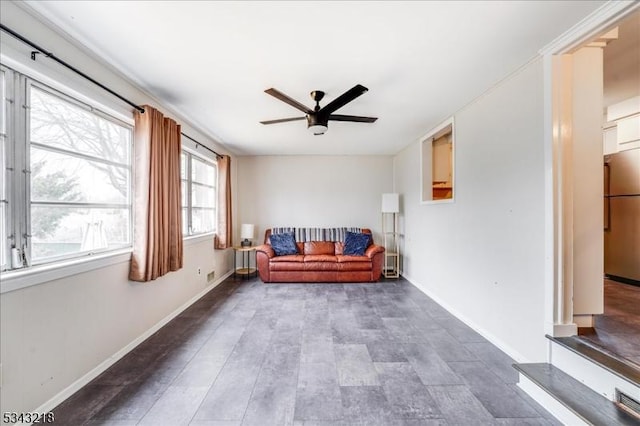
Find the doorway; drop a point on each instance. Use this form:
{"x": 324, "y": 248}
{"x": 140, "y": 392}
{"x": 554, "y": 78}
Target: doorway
{"x": 617, "y": 329}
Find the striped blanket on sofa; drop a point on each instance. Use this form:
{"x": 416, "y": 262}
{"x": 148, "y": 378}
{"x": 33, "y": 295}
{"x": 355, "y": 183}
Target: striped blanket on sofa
{"x": 316, "y": 234}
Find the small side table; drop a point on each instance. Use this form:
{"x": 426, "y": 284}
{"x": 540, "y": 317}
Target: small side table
{"x": 246, "y": 271}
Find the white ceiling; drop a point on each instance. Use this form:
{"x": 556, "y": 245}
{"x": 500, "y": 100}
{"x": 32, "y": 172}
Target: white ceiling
{"x": 211, "y": 61}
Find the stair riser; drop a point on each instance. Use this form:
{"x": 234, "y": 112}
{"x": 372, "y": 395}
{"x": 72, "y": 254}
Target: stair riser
{"x": 542, "y": 397}
{"x": 595, "y": 377}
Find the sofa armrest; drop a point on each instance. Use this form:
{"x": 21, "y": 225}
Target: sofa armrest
{"x": 372, "y": 250}
{"x": 267, "y": 250}
{"x": 264, "y": 254}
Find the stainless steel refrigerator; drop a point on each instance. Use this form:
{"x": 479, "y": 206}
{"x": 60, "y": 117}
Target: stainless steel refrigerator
{"x": 622, "y": 216}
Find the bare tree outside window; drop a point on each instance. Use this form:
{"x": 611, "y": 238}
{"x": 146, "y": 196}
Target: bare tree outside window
{"x": 80, "y": 180}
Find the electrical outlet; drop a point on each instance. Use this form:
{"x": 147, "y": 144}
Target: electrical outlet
{"x": 210, "y": 276}
{"x": 199, "y": 271}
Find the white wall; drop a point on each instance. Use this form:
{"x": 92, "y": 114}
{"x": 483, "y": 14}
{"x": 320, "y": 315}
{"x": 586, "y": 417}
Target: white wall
{"x": 315, "y": 191}
{"x": 482, "y": 256}
{"x": 55, "y": 333}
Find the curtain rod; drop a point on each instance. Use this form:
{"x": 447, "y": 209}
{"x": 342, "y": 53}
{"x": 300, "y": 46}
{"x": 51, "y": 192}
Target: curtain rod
{"x": 63, "y": 63}
{"x": 40, "y": 50}
{"x": 202, "y": 145}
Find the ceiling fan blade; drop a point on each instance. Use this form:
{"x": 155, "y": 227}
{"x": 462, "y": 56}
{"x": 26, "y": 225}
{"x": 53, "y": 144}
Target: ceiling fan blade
{"x": 283, "y": 120}
{"x": 284, "y": 98}
{"x": 358, "y": 119}
{"x": 343, "y": 99}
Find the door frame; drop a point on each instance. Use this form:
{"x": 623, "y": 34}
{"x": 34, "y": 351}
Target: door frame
{"x": 558, "y": 165}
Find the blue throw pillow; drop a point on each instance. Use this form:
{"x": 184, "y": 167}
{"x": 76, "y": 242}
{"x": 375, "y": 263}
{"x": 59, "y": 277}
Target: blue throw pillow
{"x": 355, "y": 244}
{"x": 283, "y": 244}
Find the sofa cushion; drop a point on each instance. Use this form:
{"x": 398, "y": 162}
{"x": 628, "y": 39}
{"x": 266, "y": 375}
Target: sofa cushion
{"x": 286, "y": 266}
{"x": 289, "y": 258}
{"x": 320, "y": 266}
{"x": 345, "y": 259}
{"x": 283, "y": 244}
{"x": 308, "y": 258}
{"x": 339, "y": 247}
{"x": 319, "y": 247}
{"x": 354, "y": 266}
{"x": 356, "y": 244}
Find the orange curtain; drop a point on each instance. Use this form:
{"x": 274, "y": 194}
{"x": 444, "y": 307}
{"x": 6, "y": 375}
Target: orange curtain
{"x": 157, "y": 238}
{"x": 223, "y": 238}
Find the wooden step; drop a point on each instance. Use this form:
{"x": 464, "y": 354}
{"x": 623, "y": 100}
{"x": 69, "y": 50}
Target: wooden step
{"x": 599, "y": 356}
{"x": 586, "y": 404}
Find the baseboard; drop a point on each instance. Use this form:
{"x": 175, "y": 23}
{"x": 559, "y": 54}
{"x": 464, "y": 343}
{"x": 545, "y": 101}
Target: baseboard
{"x": 484, "y": 333}
{"x": 624, "y": 280}
{"x": 103, "y": 366}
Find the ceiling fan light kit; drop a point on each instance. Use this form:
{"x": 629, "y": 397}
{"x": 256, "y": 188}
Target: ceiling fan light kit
{"x": 318, "y": 118}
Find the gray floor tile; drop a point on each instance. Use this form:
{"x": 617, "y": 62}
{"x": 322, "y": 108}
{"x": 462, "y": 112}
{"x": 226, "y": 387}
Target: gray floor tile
{"x": 354, "y": 366}
{"x": 229, "y": 395}
{"x": 449, "y": 348}
{"x": 369, "y": 320}
{"x": 408, "y": 397}
{"x": 497, "y": 361}
{"x": 132, "y": 403}
{"x": 318, "y": 394}
{"x": 365, "y": 405}
{"x": 403, "y": 330}
{"x": 175, "y": 407}
{"x": 386, "y": 352}
{"x": 496, "y": 396}
{"x": 200, "y": 372}
{"x": 541, "y": 411}
{"x": 459, "y": 406}
{"x": 274, "y": 394}
{"x": 427, "y": 363}
{"x": 317, "y": 347}
{"x": 99, "y": 422}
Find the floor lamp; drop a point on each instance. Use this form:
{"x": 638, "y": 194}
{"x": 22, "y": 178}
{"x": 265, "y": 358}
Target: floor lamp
{"x": 390, "y": 210}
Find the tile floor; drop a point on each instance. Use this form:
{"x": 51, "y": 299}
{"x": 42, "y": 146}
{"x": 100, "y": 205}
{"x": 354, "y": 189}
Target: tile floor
{"x": 250, "y": 353}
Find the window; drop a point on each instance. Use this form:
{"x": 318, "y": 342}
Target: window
{"x": 70, "y": 194}
{"x": 198, "y": 194}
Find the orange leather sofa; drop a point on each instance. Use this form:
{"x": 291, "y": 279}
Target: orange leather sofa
{"x": 319, "y": 261}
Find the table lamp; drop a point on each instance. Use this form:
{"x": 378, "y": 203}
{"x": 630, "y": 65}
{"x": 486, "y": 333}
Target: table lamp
{"x": 246, "y": 234}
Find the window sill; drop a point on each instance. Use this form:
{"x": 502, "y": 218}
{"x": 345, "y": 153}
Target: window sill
{"x": 195, "y": 239}
{"x": 22, "y": 278}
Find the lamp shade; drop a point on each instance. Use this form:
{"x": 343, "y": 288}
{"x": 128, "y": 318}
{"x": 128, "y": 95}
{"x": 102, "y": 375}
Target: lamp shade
{"x": 246, "y": 231}
{"x": 390, "y": 203}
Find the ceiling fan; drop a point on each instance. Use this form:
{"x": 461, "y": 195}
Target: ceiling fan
{"x": 318, "y": 118}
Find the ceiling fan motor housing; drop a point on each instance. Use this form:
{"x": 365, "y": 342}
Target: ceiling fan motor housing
{"x": 317, "y": 123}
{"x": 316, "y": 120}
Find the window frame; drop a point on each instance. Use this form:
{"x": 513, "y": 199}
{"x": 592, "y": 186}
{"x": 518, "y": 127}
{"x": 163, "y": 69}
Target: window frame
{"x": 6, "y": 87}
{"x": 190, "y": 154}
{"x": 18, "y": 178}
